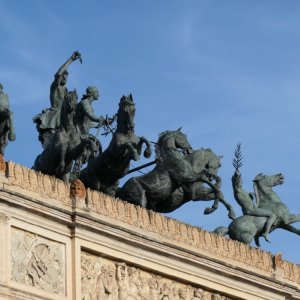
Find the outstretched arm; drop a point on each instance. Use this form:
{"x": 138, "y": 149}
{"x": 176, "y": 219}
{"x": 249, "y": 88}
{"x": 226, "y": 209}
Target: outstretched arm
{"x": 88, "y": 111}
{"x": 63, "y": 68}
{"x": 242, "y": 197}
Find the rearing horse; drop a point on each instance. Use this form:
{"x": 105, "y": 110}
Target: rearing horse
{"x": 247, "y": 227}
{"x": 177, "y": 178}
{"x": 103, "y": 172}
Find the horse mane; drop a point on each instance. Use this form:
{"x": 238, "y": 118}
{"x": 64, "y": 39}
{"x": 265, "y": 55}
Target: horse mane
{"x": 158, "y": 144}
{"x": 71, "y": 95}
{"x": 124, "y": 101}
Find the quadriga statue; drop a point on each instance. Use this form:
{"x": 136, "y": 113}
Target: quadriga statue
{"x": 179, "y": 176}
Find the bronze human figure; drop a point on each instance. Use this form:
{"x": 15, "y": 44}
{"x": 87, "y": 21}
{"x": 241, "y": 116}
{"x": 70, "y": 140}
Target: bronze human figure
{"x": 85, "y": 118}
{"x": 49, "y": 120}
{"x": 7, "y": 130}
{"x": 262, "y": 217}
{"x": 66, "y": 144}
{"x": 246, "y": 201}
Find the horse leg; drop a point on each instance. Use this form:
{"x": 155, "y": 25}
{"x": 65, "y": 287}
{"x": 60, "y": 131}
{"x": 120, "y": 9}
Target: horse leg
{"x": 61, "y": 162}
{"x": 133, "y": 192}
{"x": 66, "y": 177}
{"x": 219, "y": 197}
{"x": 142, "y": 201}
{"x": 132, "y": 151}
{"x": 196, "y": 192}
{"x": 291, "y": 228}
{"x": 231, "y": 212}
{"x": 147, "y": 152}
{"x": 257, "y": 242}
{"x": 209, "y": 210}
{"x": 11, "y": 135}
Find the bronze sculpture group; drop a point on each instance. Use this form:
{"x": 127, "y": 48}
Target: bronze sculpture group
{"x": 180, "y": 174}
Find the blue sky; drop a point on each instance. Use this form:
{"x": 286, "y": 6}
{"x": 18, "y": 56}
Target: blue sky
{"x": 226, "y": 71}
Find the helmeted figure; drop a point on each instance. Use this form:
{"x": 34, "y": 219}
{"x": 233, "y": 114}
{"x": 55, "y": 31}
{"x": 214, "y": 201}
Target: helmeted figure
{"x": 7, "y": 132}
{"x": 49, "y": 120}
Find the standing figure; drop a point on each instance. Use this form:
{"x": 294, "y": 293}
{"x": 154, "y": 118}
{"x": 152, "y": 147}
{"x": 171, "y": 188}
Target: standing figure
{"x": 49, "y": 120}
{"x": 7, "y": 132}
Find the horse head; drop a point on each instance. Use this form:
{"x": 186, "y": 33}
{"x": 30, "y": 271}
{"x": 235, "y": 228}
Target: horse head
{"x": 126, "y": 113}
{"x": 174, "y": 140}
{"x": 213, "y": 163}
{"x": 70, "y": 101}
{"x": 268, "y": 181}
{"x": 91, "y": 148}
{"x": 263, "y": 185}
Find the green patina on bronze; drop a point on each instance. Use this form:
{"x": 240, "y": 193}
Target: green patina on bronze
{"x": 263, "y": 211}
{"x": 7, "y": 131}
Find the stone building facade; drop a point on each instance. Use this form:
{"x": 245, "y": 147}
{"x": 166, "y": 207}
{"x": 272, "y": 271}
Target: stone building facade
{"x": 64, "y": 242}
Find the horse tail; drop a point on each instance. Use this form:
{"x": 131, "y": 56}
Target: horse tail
{"x": 221, "y": 230}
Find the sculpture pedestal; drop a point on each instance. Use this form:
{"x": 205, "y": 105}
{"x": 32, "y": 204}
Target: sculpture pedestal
{"x": 58, "y": 242}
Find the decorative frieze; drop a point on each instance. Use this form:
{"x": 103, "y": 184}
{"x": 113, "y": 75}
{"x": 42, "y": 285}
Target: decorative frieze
{"x": 37, "y": 261}
{"x": 105, "y": 279}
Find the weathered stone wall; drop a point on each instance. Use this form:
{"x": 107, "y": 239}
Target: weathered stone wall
{"x": 64, "y": 242}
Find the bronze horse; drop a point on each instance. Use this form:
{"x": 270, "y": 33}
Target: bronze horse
{"x": 103, "y": 172}
{"x": 177, "y": 178}
{"x": 249, "y": 227}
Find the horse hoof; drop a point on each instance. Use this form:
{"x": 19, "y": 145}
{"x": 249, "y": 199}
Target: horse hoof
{"x": 12, "y": 137}
{"x": 266, "y": 237}
{"x": 208, "y": 210}
{"x": 147, "y": 153}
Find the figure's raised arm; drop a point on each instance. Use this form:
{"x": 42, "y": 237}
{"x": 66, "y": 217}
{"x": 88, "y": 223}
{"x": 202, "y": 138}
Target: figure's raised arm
{"x": 76, "y": 55}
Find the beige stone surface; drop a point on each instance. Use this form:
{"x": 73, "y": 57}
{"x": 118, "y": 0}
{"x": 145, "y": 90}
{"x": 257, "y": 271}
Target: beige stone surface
{"x": 62, "y": 242}
{"x": 37, "y": 261}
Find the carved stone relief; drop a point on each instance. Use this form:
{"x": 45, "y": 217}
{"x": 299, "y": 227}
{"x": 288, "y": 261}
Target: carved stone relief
{"x": 77, "y": 189}
{"x": 4, "y": 218}
{"x": 105, "y": 279}
{"x": 37, "y": 261}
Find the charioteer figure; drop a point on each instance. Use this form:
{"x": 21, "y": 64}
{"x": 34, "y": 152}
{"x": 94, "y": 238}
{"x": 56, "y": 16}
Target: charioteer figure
{"x": 85, "y": 117}
{"x": 49, "y": 120}
{"x": 7, "y": 131}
